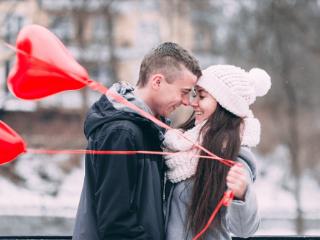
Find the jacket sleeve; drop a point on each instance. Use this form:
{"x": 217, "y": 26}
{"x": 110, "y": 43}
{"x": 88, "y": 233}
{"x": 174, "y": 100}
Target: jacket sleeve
{"x": 243, "y": 217}
{"x": 115, "y": 180}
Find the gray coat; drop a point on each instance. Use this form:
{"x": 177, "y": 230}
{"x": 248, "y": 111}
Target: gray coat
{"x": 240, "y": 219}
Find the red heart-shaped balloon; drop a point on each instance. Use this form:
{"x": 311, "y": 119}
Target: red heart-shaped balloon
{"x": 43, "y": 66}
{"x": 11, "y": 144}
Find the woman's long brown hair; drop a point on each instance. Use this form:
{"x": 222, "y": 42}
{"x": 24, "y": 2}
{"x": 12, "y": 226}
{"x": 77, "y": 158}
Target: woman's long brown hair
{"x": 221, "y": 136}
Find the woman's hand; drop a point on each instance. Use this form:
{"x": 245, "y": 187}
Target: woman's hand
{"x": 237, "y": 181}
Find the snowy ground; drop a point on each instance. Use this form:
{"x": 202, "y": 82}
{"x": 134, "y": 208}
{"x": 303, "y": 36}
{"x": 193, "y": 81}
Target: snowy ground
{"x": 276, "y": 201}
{"x": 55, "y": 195}
{"x": 35, "y": 199}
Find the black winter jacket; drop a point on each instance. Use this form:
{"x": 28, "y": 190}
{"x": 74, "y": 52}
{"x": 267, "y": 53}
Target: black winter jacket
{"x": 122, "y": 194}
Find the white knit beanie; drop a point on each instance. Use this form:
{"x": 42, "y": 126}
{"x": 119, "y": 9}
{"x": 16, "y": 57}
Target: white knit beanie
{"x": 235, "y": 90}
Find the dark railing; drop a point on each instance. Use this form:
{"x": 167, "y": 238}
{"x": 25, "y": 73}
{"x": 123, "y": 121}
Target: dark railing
{"x": 236, "y": 238}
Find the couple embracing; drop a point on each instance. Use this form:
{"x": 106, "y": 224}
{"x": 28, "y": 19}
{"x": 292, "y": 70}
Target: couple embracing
{"x": 153, "y": 197}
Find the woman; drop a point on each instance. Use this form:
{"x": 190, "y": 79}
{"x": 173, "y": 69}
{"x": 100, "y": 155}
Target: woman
{"x": 224, "y": 125}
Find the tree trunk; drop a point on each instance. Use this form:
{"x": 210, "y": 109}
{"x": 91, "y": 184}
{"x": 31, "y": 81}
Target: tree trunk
{"x": 81, "y": 18}
{"x": 109, "y": 16}
{"x": 293, "y": 122}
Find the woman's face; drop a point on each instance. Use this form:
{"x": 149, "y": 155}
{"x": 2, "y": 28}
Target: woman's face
{"x": 203, "y": 105}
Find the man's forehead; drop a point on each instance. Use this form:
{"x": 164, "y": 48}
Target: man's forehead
{"x": 187, "y": 86}
{"x": 185, "y": 82}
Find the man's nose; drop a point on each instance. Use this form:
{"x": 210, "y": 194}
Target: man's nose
{"x": 185, "y": 101}
{"x": 194, "y": 102}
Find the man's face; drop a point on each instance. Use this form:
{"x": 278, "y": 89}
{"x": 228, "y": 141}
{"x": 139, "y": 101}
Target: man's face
{"x": 172, "y": 95}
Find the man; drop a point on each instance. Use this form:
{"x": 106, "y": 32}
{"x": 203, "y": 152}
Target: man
{"x": 122, "y": 194}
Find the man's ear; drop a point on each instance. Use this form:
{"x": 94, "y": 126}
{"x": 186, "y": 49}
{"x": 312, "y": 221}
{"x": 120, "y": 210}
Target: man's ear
{"x": 156, "y": 81}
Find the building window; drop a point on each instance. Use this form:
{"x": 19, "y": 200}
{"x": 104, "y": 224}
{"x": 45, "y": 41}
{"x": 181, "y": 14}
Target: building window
{"x": 62, "y": 26}
{"x": 9, "y": 32}
{"x": 11, "y": 27}
{"x": 99, "y": 31}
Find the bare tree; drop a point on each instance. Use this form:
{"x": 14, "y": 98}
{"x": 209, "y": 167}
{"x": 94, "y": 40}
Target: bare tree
{"x": 79, "y": 15}
{"x": 110, "y": 19}
{"x": 279, "y": 35}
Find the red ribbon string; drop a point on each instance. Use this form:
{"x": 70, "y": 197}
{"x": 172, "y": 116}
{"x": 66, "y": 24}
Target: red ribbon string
{"x": 96, "y": 86}
{"x": 102, "y": 89}
{"x": 121, "y": 152}
{"x": 225, "y": 201}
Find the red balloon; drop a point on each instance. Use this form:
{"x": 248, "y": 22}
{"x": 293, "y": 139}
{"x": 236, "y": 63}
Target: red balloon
{"x": 43, "y": 66}
{"x": 11, "y": 144}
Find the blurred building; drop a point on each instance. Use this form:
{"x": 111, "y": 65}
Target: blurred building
{"x": 14, "y": 15}
{"x": 109, "y": 38}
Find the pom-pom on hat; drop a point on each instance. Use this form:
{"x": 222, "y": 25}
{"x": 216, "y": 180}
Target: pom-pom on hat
{"x": 234, "y": 88}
